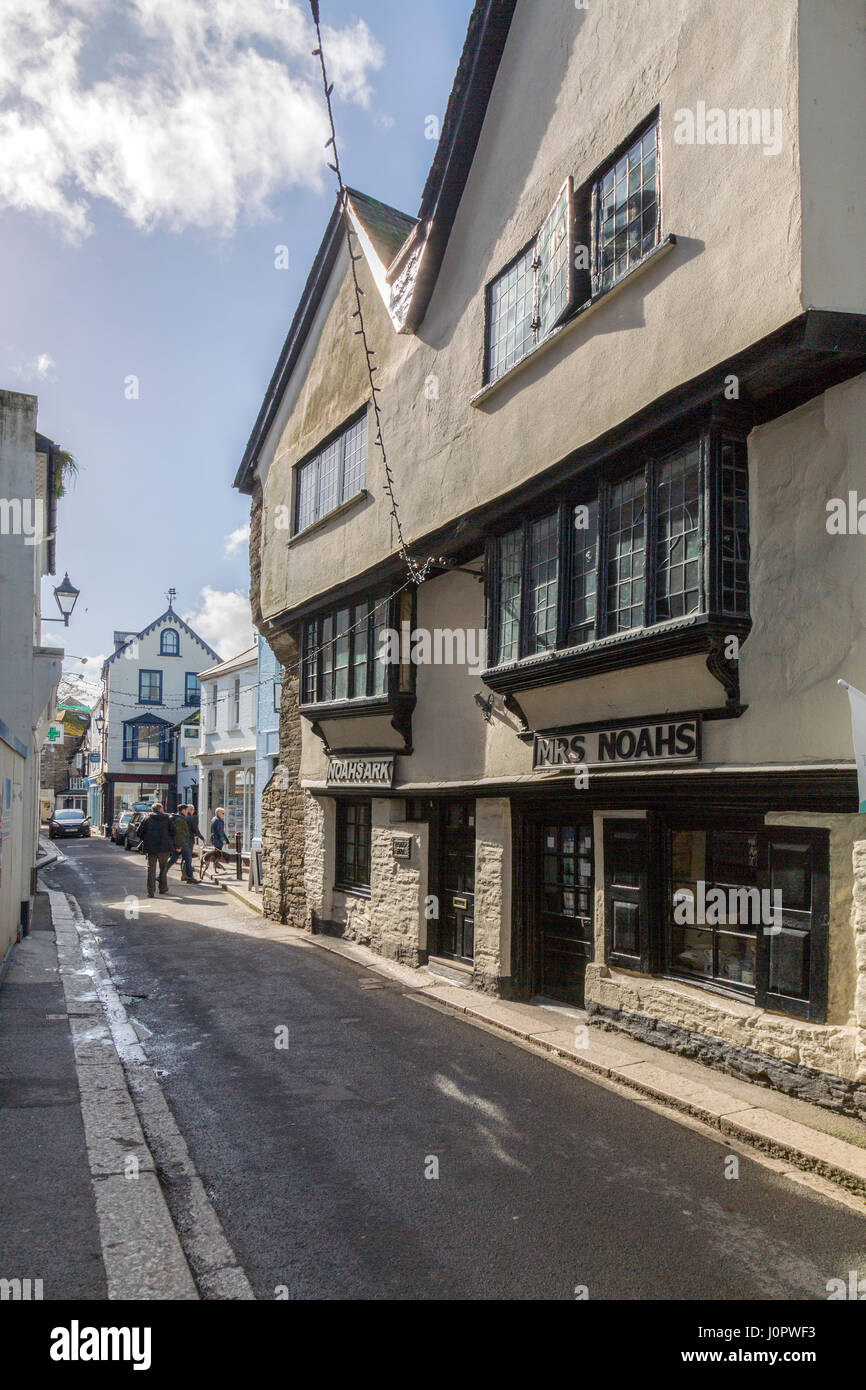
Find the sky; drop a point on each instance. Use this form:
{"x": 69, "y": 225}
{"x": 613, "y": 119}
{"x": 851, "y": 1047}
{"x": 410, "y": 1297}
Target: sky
{"x": 153, "y": 158}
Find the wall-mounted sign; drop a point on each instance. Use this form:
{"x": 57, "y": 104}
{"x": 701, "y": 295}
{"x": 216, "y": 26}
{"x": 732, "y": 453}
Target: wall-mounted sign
{"x": 676, "y": 740}
{"x": 56, "y": 733}
{"x": 361, "y": 772}
{"x": 401, "y": 846}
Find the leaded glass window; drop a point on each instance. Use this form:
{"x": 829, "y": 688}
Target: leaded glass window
{"x": 628, "y": 210}
{"x": 333, "y": 475}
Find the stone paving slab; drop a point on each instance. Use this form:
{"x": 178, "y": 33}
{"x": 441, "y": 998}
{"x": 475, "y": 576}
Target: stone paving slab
{"x": 824, "y": 1154}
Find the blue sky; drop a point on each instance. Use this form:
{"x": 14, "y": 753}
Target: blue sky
{"x": 149, "y": 166}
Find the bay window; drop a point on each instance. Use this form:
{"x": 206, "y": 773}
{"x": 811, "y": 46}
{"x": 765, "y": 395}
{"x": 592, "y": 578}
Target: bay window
{"x": 659, "y": 543}
{"x": 343, "y": 653}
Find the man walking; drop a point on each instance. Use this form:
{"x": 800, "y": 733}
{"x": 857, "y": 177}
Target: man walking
{"x": 155, "y": 835}
{"x": 181, "y": 833}
{"x": 218, "y": 837}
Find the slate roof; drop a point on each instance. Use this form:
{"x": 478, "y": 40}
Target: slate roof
{"x": 176, "y": 621}
{"x": 385, "y": 226}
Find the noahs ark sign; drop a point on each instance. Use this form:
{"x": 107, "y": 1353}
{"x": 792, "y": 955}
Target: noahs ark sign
{"x": 370, "y": 772}
{"x": 678, "y": 740}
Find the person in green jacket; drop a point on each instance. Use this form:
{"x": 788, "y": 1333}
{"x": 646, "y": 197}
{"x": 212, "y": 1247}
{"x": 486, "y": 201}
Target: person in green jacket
{"x": 181, "y": 834}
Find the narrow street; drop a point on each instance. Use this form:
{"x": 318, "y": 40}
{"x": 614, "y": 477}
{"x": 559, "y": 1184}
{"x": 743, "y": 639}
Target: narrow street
{"x": 315, "y": 1155}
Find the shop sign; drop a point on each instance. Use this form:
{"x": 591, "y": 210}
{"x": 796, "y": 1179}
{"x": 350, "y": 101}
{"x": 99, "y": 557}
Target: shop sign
{"x": 361, "y": 772}
{"x": 676, "y": 740}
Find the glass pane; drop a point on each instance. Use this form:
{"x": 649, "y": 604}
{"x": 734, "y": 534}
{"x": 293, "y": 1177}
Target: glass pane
{"x": 584, "y": 574}
{"x": 790, "y": 873}
{"x": 692, "y": 951}
{"x": 359, "y": 662}
{"x": 509, "y": 315}
{"x": 626, "y": 546}
{"x": 354, "y": 458}
{"x": 625, "y": 928}
{"x": 341, "y": 655}
{"x": 678, "y": 569}
{"x": 789, "y": 963}
{"x": 543, "y": 584}
{"x": 510, "y": 559}
{"x": 628, "y": 225}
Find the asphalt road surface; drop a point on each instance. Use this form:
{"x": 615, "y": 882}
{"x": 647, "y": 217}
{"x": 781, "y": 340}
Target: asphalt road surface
{"x": 321, "y": 1157}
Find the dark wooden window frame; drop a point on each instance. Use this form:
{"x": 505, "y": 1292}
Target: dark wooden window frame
{"x": 346, "y": 874}
{"x": 704, "y": 630}
{"x": 379, "y": 605}
{"x": 192, "y": 689}
{"x": 653, "y": 957}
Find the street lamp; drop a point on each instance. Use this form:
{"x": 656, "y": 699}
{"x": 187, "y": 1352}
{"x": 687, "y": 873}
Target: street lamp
{"x": 66, "y": 595}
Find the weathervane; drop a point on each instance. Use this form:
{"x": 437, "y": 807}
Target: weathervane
{"x": 171, "y": 596}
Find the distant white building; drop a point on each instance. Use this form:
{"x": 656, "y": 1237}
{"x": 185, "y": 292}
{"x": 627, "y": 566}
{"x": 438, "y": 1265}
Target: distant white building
{"x": 151, "y": 695}
{"x": 227, "y": 746}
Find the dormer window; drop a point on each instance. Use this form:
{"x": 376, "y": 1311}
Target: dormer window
{"x": 169, "y": 643}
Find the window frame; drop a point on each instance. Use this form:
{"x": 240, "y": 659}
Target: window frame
{"x": 169, "y": 632}
{"x": 722, "y": 453}
{"x": 534, "y": 245}
{"x": 817, "y": 843}
{"x": 638, "y": 133}
{"x": 236, "y": 703}
{"x": 130, "y": 750}
{"x": 346, "y": 879}
{"x": 149, "y": 671}
{"x": 196, "y": 699}
{"x": 382, "y": 613}
{"x": 313, "y": 460}
{"x": 278, "y": 688}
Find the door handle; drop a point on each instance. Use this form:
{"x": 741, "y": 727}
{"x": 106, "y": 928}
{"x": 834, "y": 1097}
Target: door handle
{"x": 460, "y": 902}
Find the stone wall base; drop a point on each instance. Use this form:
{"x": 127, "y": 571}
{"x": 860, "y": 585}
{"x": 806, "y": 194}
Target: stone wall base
{"x": 833, "y": 1092}
{"x": 403, "y": 953}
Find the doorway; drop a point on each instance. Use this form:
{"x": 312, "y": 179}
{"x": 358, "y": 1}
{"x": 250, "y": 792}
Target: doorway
{"x": 563, "y": 906}
{"x": 457, "y": 880}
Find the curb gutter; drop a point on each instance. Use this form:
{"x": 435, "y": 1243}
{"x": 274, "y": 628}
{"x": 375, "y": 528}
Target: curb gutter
{"x": 121, "y": 1103}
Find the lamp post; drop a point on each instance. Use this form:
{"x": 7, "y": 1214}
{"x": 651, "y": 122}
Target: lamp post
{"x": 66, "y": 595}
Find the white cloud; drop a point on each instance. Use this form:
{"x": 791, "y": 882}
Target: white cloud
{"x": 223, "y": 620}
{"x": 237, "y": 539}
{"x": 42, "y": 365}
{"x": 182, "y": 113}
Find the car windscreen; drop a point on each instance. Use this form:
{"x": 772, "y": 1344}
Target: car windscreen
{"x": 69, "y": 815}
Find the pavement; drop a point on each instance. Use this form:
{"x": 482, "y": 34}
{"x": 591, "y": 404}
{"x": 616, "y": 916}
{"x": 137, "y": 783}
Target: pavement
{"x": 240, "y": 1110}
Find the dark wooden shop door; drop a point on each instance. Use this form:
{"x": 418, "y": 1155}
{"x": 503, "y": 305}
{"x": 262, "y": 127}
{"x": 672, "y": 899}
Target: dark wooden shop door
{"x": 564, "y": 907}
{"x": 457, "y": 880}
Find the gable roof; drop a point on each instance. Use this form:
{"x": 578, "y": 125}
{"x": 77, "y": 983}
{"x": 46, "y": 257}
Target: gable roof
{"x": 176, "y": 621}
{"x": 414, "y": 246}
{"x": 385, "y": 226}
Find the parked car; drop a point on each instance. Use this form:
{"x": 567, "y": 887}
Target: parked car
{"x": 119, "y": 826}
{"x": 130, "y": 835}
{"x": 65, "y": 824}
